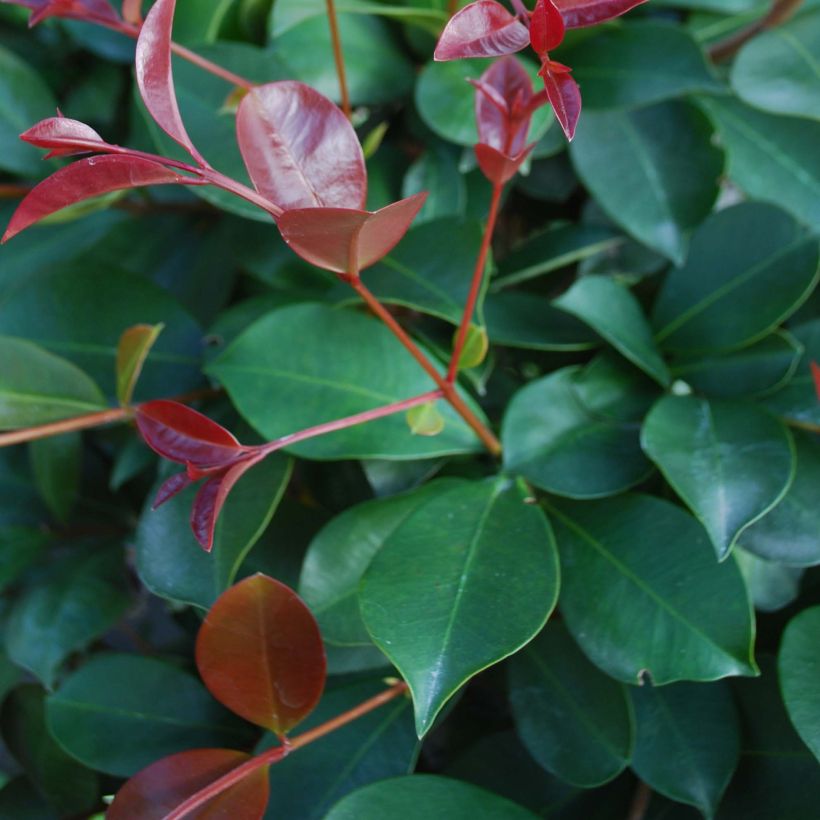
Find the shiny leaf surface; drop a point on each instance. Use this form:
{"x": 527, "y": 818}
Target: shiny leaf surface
{"x": 482, "y": 29}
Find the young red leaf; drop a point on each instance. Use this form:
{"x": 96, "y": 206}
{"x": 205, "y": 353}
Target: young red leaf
{"x": 498, "y": 167}
{"x": 63, "y": 136}
{"x": 564, "y": 96}
{"x": 482, "y": 29}
{"x": 502, "y": 107}
{"x": 132, "y": 12}
{"x": 815, "y": 371}
{"x": 546, "y": 28}
{"x": 87, "y": 178}
{"x": 346, "y": 241}
{"x": 580, "y": 13}
{"x": 260, "y": 653}
{"x": 155, "y": 77}
{"x": 300, "y": 149}
{"x": 181, "y": 434}
{"x": 157, "y": 790}
{"x": 170, "y": 487}
{"x": 95, "y": 11}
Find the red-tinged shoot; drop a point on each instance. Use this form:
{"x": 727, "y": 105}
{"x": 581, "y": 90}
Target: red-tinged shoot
{"x": 64, "y": 137}
{"x": 92, "y": 11}
{"x": 815, "y": 371}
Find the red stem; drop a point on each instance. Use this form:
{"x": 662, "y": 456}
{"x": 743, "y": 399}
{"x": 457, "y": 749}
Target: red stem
{"x": 276, "y": 754}
{"x": 338, "y": 56}
{"x": 475, "y": 287}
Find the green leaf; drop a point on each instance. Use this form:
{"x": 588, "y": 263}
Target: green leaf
{"x": 172, "y": 564}
{"x": 476, "y": 346}
{"x": 688, "y": 741}
{"x": 771, "y": 158}
{"x": 568, "y": 434}
{"x": 797, "y": 401}
{"x": 654, "y": 171}
{"x": 341, "y": 552}
{"x": 798, "y": 666}
{"x": 425, "y": 796}
{"x": 380, "y": 744}
{"x": 74, "y": 312}
{"x": 284, "y": 377}
{"x": 24, "y": 100}
{"x": 639, "y": 560}
{"x": 731, "y": 462}
{"x": 83, "y": 597}
{"x": 638, "y": 64}
{"x": 19, "y": 798}
{"x": 425, "y": 419}
{"x": 37, "y": 387}
{"x": 20, "y": 548}
{"x": 778, "y": 71}
{"x": 445, "y": 603}
{"x": 749, "y": 268}
{"x": 118, "y": 713}
{"x": 574, "y": 720}
{"x": 612, "y": 311}
{"x": 134, "y": 346}
{"x": 788, "y": 534}
{"x": 436, "y": 171}
{"x": 771, "y": 586}
{"x": 56, "y": 463}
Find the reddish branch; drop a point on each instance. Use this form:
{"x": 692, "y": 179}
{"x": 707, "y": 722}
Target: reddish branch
{"x": 780, "y": 12}
{"x": 338, "y": 56}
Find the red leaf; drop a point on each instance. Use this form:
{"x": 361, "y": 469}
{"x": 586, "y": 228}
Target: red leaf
{"x": 260, "y": 653}
{"x": 564, "y": 96}
{"x": 498, "y": 167}
{"x": 155, "y": 77}
{"x": 132, "y": 12}
{"x": 580, "y": 13}
{"x": 170, "y": 487}
{"x": 546, "y": 28}
{"x": 63, "y": 136}
{"x": 502, "y": 106}
{"x": 87, "y": 178}
{"x": 482, "y": 29}
{"x": 299, "y": 148}
{"x": 99, "y": 11}
{"x": 157, "y": 790}
{"x": 346, "y": 241}
{"x": 181, "y": 434}
{"x": 815, "y": 371}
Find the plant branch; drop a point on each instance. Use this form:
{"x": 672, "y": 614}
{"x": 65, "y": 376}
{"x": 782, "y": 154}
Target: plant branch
{"x": 475, "y": 287}
{"x": 14, "y": 191}
{"x": 338, "y": 56}
{"x": 448, "y": 389}
{"x": 277, "y": 753}
{"x": 780, "y": 12}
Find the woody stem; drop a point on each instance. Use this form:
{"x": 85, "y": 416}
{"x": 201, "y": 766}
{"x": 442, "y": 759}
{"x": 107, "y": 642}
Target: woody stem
{"x": 338, "y": 56}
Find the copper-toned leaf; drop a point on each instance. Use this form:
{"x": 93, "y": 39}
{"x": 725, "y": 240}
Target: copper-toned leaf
{"x": 579, "y": 13}
{"x": 300, "y": 149}
{"x": 260, "y": 653}
{"x": 95, "y": 11}
{"x": 546, "y": 27}
{"x": 63, "y": 136}
{"x": 482, "y": 29}
{"x": 87, "y": 178}
{"x": 132, "y": 350}
{"x": 132, "y": 11}
{"x": 344, "y": 240}
{"x": 155, "y": 77}
{"x": 502, "y": 109}
{"x": 564, "y": 96}
{"x": 157, "y": 790}
{"x": 498, "y": 167}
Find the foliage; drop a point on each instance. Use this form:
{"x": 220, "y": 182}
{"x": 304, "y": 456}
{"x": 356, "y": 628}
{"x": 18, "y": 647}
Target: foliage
{"x": 522, "y": 400}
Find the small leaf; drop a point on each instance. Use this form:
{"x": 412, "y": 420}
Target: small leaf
{"x": 425, "y": 420}
{"x": 133, "y": 348}
{"x": 565, "y": 98}
{"x": 63, "y": 136}
{"x": 300, "y": 149}
{"x": 502, "y": 105}
{"x": 578, "y": 13}
{"x": 476, "y": 345}
{"x": 165, "y": 785}
{"x": 498, "y": 167}
{"x": 546, "y": 27}
{"x": 260, "y": 653}
{"x": 482, "y": 29}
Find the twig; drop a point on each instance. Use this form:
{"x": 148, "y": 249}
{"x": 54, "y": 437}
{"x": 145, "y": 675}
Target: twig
{"x": 780, "y": 12}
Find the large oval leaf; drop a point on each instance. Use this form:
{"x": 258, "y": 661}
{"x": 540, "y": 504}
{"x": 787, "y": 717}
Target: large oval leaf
{"x": 260, "y": 653}
{"x": 730, "y": 462}
{"x": 639, "y": 560}
{"x": 445, "y": 603}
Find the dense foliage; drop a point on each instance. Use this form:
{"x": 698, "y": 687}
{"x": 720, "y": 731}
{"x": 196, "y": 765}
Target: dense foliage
{"x": 519, "y": 394}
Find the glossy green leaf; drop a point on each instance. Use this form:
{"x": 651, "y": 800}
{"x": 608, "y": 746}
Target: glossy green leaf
{"x": 56, "y": 465}
{"x": 612, "y": 311}
{"x": 639, "y": 167}
{"x": 574, "y": 720}
{"x": 436, "y": 171}
{"x": 283, "y": 378}
{"x": 797, "y": 401}
{"x": 171, "y": 563}
{"x": 688, "y": 741}
{"x": 37, "y": 387}
{"x": 730, "y": 462}
{"x": 423, "y": 796}
{"x": 445, "y": 603}
{"x": 425, "y": 419}
{"x": 749, "y": 268}
{"x": 790, "y": 533}
{"x": 103, "y": 719}
{"x": 771, "y": 158}
{"x": 771, "y": 586}
{"x": 573, "y": 446}
{"x": 132, "y": 350}
{"x": 638, "y": 64}
{"x": 639, "y": 560}
{"x": 381, "y": 744}
{"x": 799, "y": 667}
{"x": 779, "y": 71}
{"x": 341, "y": 552}
{"x": 81, "y": 599}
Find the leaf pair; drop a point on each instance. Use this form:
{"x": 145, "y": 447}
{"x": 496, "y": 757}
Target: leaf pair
{"x": 260, "y": 653}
